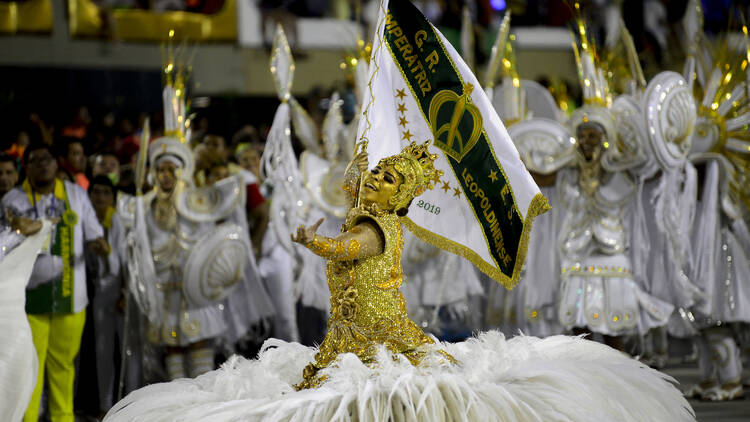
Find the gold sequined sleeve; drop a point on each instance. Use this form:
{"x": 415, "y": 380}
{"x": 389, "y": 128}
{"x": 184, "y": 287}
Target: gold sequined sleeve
{"x": 361, "y": 241}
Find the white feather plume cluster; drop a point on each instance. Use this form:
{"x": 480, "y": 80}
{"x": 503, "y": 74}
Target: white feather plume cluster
{"x": 558, "y": 378}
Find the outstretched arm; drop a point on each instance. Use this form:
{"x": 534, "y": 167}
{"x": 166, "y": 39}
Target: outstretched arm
{"x": 361, "y": 241}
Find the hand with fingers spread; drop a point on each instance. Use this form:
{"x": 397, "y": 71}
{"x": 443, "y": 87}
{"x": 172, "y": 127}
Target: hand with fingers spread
{"x": 305, "y": 235}
{"x": 99, "y": 246}
{"x": 23, "y": 225}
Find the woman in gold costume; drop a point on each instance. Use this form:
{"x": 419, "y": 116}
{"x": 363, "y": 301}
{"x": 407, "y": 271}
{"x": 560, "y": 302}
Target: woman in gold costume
{"x": 376, "y": 364}
{"x": 364, "y": 268}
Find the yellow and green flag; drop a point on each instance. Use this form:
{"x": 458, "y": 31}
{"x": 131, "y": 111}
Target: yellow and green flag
{"x": 420, "y": 89}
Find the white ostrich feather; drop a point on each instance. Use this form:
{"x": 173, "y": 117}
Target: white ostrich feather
{"x": 558, "y": 378}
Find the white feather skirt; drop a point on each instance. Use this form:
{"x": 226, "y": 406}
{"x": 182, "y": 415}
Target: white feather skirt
{"x": 558, "y": 378}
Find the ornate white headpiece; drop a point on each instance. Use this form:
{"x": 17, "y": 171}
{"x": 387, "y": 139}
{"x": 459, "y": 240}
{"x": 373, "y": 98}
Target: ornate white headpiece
{"x": 172, "y": 147}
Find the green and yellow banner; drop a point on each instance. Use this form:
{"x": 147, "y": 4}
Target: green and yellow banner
{"x": 420, "y": 89}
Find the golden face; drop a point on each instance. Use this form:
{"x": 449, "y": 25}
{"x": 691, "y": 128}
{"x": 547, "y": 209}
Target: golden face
{"x": 166, "y": 175}
{"x": 589, "y": 140}
{"x": 380, "y": 185}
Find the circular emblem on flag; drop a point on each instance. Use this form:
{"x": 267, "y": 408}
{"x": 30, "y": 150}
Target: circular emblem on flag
{"x": 70, "y": 218}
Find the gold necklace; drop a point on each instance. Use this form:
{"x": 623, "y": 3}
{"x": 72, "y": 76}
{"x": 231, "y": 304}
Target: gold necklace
{"x": 590, "y": 174}
{"x": 165, "y": 211}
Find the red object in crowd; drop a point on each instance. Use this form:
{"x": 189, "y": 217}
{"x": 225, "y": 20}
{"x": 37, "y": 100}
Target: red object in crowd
{"x": 16, "y": 151}
{"x": 82, "y": 181}
{"x": 74, "y": 131}
{"x": 79, "y": 178}
{"x": 129, "y": 148}
{"x": 254, "y": 197}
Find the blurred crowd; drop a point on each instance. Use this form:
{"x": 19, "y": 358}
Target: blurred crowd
{"x": 98, "y": 153}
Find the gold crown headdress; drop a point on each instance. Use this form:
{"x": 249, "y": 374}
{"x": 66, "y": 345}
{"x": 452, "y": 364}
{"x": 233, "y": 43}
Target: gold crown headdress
{"x": 597, "y": 98}
{"x": 593, "y": 81}
{"x": 176, "y": 72}
{"x": 514, "y": 104}
{"x": 498, "y": 50}
{"x": 416, "y": 166}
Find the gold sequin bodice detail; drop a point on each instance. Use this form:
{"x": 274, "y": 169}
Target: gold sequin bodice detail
{"x": 367, "y": 308}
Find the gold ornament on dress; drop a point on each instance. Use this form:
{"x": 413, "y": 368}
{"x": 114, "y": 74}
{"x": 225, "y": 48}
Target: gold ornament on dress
{"x": 367, "y": 309}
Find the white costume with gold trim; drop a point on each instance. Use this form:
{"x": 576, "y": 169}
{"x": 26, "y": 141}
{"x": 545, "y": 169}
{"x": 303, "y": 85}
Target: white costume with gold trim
{"x": 183, "y": 293}
{"x": 598, "y": 290}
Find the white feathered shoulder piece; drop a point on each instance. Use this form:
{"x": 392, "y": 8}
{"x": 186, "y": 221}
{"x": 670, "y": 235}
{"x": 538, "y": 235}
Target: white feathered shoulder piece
{"x": 212, "y": 203}
{"x": 545, "y": 145}
{"x": 631, "y": 148}
{"x": 670, "y": 114}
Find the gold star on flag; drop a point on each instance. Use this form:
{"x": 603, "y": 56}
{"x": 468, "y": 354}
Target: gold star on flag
{"x": 446, "y": 187}
{"x": 493, "y": 175}
{"x": 400, "y": 94}
{"x": 456, "y": 192}
{"x": 408, "y": 135}
{"x": 436, "y": 177}
{"x": 401, "y": 108}
{"x": 402, "y": 121}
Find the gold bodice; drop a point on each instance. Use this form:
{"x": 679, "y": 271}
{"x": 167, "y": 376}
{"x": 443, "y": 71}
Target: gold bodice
{"x": 367, "y": 309}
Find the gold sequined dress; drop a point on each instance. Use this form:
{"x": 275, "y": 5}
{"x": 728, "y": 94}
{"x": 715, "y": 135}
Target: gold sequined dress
{"x": 367, "y": 308}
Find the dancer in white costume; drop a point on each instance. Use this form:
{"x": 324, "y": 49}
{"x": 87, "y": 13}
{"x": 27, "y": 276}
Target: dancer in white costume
{"x": 599, "y": 290}
{"x": 658, "y": 217}
{"x": 720, "y": 239}
{"x": 189, "y": 249}
{"x": 174, "y": 225}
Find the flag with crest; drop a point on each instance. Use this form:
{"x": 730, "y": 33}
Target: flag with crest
{"x": 420, "y": 89}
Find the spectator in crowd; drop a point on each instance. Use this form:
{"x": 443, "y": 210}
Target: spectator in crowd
{"x": 108, "y": 284}
{"x": 56, "y": 295}
{"x": 20, "y": 136}
{"x": 216, "y": 147}
{"x": 78, "y": 128}
{"x": 106, "y": 164}
{"x": 249, "y": 158}
{"x": 8, "y": 173}
{"x": 72, "y": 159}
{"x": 218, "y": 171}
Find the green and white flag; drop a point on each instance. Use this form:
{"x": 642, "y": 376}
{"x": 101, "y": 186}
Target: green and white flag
{"x": 420, "y": 89}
